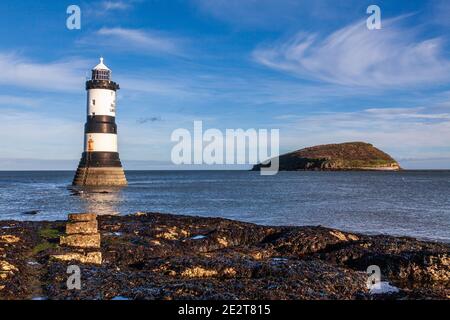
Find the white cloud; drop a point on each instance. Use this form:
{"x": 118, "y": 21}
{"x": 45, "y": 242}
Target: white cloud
{"x": 404, "y": 133}
{"x": 108, "y": 8}
{"x": 31, "y": 135}
{"x": 139, "y": 41}
{"x": 160, "y": 86}
{"x": 115, "y": 5}
{"x": 356, "y": 56}
{"x": 9, "y": 100}
{"x": 53, "y": 76}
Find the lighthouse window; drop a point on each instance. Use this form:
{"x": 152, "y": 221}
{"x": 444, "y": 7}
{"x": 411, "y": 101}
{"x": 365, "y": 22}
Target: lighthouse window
{"x": 93, "y": 102}
{"x": 101, "y": 75}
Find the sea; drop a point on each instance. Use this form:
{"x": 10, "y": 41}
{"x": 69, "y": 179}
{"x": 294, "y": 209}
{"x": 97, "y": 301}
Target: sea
{"x": 406, "y": 203}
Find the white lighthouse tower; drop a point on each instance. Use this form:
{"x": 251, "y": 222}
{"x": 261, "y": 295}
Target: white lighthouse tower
{"x": 100, "y": 163}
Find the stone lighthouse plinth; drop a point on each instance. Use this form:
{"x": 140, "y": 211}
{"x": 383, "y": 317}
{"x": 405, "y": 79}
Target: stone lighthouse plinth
{"x": 100, "y": 163}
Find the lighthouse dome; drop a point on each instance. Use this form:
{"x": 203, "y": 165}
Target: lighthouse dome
{"x": 101, "y": 66}
{"x": 101, "y": 71}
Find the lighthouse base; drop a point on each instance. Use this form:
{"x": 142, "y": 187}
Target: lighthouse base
{"x": 99, "y": 176}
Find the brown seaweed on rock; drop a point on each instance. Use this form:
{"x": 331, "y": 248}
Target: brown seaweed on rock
{"x": 161, "y": 256}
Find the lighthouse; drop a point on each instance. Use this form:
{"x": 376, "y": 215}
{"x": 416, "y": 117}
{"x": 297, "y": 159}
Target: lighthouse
{"x": 100, "y": 163}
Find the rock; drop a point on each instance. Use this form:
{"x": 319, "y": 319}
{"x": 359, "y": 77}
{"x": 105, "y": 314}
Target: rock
{"x": 172, "y": 233}
{"x": 223, "y": 241}
{"x": 438, "y": 268}
{"x": 155, "y": 257}
{"x": 343, "y": 237}
{"x": 75, "y": 192}
{"x": 230, "y": 272}
{"x": 31, "y": 213}
{"x": 198, "y": 272}
{"x": 140, "y": 214}
{"x": 81, "y": 240}
{"x": 83, "y": 227}
{"x": 88, "y": 258}
{"x": 7, "y": 269}
{"x": 9, "y": 239}
{"x": 82, "y": 217}
{"x": 5, "y": 266}
{"x": 307, "y": 240}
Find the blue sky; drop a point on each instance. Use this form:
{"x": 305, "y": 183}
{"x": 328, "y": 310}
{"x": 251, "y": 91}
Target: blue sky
{"x": 309, "y": 68}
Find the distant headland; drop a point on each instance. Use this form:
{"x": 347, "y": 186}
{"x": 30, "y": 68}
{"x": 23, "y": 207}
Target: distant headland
{"x": 337, "y": 157}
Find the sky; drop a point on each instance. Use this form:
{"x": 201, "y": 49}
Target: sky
{"x": 311, "y": 69}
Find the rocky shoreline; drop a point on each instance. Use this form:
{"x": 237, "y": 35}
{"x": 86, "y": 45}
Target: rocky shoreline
{"x": 162, "y": 256}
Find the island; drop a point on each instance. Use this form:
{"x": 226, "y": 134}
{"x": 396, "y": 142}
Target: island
{"x": 336, "y": 157}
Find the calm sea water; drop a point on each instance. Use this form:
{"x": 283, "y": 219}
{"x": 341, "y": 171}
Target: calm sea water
{"x": 413, "y": 203}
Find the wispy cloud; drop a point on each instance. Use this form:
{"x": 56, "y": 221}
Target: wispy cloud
{"x": 11, "y": 100}
{"x": 115, "y": 5}
{"x": 403, "y": 132}
{"x": 31, "y": 134}
{"x": 136, "y": 40}
{"x": 51, "y": 76}
{"x": 178, "y": 87}
{"x": 108, "y": 8}
{"x": 356, "y": 56}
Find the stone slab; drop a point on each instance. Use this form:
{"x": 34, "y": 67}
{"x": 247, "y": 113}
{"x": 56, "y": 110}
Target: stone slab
{"x": 81, "y": 240}
{"x": 87, "y": 258}
{"x": 82, "y": 227}
{"x": 82, "y": 217}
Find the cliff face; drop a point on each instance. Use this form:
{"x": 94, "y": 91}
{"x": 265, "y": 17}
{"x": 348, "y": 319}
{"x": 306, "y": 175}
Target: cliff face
{"x": 343, "y": 156}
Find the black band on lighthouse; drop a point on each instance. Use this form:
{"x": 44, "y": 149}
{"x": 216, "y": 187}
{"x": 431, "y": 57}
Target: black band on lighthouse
{"x": 100, "y": 124}
{"x": 102, "y": 84}
{"x": 100, "y": 159}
